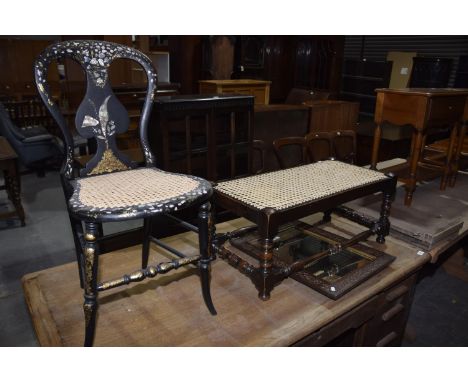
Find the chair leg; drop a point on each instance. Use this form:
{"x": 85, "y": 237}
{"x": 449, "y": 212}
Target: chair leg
{"x": 77, "y": 230}
{"x": 91, "y": 254}
{"x": 100, "y": 230}
{"x": 205, "y": 237}
{"x": 147, "y": 223}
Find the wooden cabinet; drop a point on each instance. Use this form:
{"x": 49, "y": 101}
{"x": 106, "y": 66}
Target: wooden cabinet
{"x": 430, "y": 72}
{"x": 329, "y": 115}
{"x": 309, "y": 62}
{"x": 257, "y": 88}
{"x": 461, "y": 78}
{"x": 204, "y": 136}
{"x": 360, "y": 79}
{"x": 16, "y": 60}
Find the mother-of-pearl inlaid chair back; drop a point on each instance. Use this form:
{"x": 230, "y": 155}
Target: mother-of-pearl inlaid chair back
{"x": 100, "y": 114}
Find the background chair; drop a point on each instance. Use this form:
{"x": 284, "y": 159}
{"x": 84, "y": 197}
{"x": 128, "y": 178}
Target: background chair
{"x": 438, "y": 150}
{"x": 319, "y": 146}
{"x": 344, "y": 145}
{"x": 34, "y": 145}
{"x": 315, "y": 147}
{"x": 284, "y": 147}
{"x": 110, "y": 187}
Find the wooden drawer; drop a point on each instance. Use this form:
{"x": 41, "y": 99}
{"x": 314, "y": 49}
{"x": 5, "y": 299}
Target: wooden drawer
{"x": 380, "y": 321}
{"x": 388, "y": 325}
{"x": 351, "y": 320}
{"x": 446, "y": 109}
{"x": 245, "y": 91}
{"x": 260, "y": 96}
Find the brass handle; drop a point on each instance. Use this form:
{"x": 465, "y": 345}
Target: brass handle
{"x": 387, "y": 339}
{"x": 394, "y": 294}
{"x": 389, "y": 314}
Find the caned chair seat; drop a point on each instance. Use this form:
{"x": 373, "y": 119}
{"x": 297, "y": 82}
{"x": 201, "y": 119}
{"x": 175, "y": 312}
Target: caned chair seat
{"x": 135, "y": 194}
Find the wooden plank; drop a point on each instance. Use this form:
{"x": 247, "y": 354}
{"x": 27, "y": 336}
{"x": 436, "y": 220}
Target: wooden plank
{"x": 44, "y": 324}
{"x": 169, "y": 310}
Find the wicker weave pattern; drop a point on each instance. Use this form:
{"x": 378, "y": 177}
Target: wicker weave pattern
{"x": 291, "y": 187}
{"x": 132, "y": 188}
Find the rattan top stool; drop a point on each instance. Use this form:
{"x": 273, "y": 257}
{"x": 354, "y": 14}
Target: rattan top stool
{"x": 280, "y": 197}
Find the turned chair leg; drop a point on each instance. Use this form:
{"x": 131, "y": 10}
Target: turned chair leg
{"x": 77, "y": 230}
{"x": 146, "y": 242}
{"x": 205, "y": 237}
{"x": 91, "y": 254}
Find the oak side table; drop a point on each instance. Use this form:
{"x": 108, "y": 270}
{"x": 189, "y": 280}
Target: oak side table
{"x": 422, "y": 108}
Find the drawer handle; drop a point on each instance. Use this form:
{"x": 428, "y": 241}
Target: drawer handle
{"x": 387, "y": 339}
{"x": 394, "y": 294}
{"x": 389, "y": 314}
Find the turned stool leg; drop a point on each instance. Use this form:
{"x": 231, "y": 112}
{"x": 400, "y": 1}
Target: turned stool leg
{"x": 205, "y": 238}
{"x": 384, "y": 222}
{"x": 91, "y": 254}
{"x": 266, "y": 264}
{"x": 327, "y": 216}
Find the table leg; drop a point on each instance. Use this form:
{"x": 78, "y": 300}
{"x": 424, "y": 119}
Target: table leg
{"x": 414, "y": 160}
{"x": 375, "y": 147}
{"x": 454, "y": 170}
{"x": 413, "y": 140}
{"x": 448, "y": 157}
{"x": 13, "y": 188}
{"x": 7, "y": 186}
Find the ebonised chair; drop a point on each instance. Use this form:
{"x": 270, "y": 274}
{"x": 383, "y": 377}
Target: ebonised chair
{"x": 110, "y": 187}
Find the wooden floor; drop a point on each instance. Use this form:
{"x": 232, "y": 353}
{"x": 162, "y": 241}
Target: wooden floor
{"x": 169, "y": 310}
